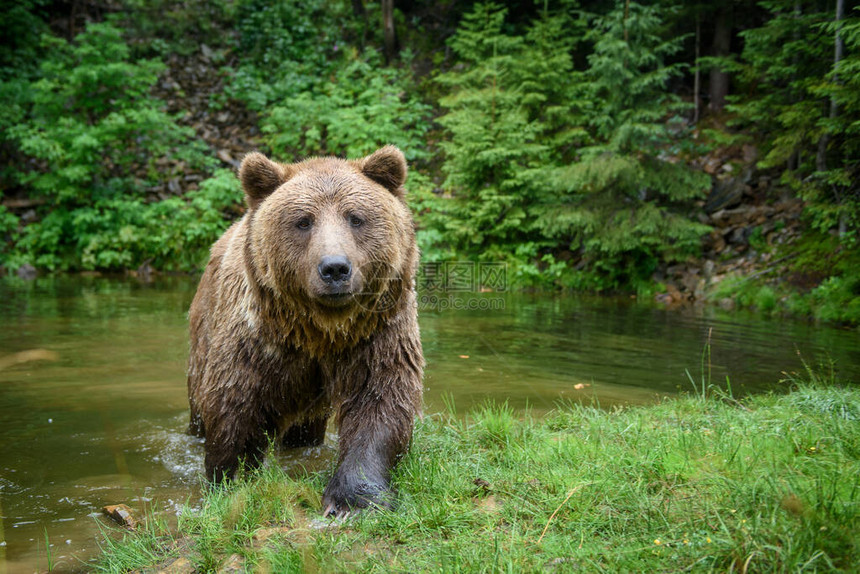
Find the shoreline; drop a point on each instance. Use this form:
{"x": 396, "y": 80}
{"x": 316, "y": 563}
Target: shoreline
{"x": 698, "y": 482}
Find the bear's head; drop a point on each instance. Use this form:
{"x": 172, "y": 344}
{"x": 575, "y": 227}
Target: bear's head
{"x": 331, "y": 236}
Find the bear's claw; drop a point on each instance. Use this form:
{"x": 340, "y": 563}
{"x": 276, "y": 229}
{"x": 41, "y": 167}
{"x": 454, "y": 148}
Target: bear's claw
{"x": 360, "y": 496}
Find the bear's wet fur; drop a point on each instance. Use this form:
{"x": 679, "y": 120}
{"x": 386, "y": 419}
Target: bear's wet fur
{"x": 307, "y": 310}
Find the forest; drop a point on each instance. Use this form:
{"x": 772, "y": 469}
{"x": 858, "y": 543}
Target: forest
{"x": 682, "y": 151}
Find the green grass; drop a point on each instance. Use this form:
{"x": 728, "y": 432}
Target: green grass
{"x": 703, "y": 483}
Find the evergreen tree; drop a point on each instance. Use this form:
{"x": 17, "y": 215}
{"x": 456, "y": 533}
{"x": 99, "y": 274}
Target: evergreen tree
{"x": 490, "y": 134}
{"x": 623, "y": 205}
{"x": 547, "y": 164}
{"x": 509, "y": 119}
{"x": 803, "y": 108}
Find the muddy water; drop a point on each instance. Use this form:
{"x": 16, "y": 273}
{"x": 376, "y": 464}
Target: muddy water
{"x": 93, "y": 406}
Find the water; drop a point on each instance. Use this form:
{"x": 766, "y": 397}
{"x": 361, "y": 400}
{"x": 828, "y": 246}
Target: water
{"x": 93, "y": 403}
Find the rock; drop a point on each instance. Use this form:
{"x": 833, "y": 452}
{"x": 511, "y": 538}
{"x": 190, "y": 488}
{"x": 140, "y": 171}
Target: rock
{"x": 178, "y": 566}
{"x": 719, "y": 218}
{"x": 29, "y": 216}
{"x": 767, "y": 226}
{"x": 708, "y": 269}
{"x": 690, "y": 281}
{"x": 121, "y": 514}
{"x": 740, "y": 235}
{"x": 225, "y": 156}
{"x": 713, "y": 243}
{"x": 739, "y": 216}
{"x": 700, "y": 289}
{"x": 664, "y": 298}
{"x": 234, "y": 563}
{"x": 675, "y": 269}
{"x": 27, "y": 271}
{"x": 671, "y": 296}
{"x": 711, "y": 166}
{"x": 725, "y": 194}
{"x": 186, "y": 86}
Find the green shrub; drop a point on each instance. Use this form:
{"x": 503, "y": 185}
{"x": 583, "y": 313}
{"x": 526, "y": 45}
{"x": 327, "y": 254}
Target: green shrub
{"x": 838, "y": 299}
{"x": 363, "y": 106}
{"x": 286, "y": 48}
{"x": 21, "y": 27}
{"x": 122, "y": 233}
{"x": 93, "y": 134}
{"x": 507, "y": 107}
{"x": 93, "y": 122}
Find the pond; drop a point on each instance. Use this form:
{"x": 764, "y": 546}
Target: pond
{"x": 93, "y": 403}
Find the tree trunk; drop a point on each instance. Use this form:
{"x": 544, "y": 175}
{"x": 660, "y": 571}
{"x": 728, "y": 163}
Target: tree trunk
{"x": 719, "y": 87}
{"x": 626, "y": 14}
{"x": 821, "y": 156}
{"x": 697, "y": 79}
{"x": 389, "y": 32}
{"x": 839, "y": 46}
{"x": 794, "y": 158}
{"x": 361, "y": 14}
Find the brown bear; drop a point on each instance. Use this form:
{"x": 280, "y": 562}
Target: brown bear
{"x": 307, "y": 309}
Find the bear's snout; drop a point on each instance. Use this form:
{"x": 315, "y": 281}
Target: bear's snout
{"x": 335, "y": 272}
{"x": 335, "y": 269}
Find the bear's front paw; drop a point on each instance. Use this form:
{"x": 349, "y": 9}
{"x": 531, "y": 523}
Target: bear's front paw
{"x": 341, "y": 497}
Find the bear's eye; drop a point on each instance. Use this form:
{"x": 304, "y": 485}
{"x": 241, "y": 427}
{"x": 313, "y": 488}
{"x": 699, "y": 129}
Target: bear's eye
{"x": 356, "y": 221}
{"x": 304, "y": 223}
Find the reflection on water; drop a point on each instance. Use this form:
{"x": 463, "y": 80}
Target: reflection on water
{"x": 93, "y": 404}
{"x": 539, "y": 349}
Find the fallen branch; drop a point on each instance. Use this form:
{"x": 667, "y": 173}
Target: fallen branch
{"x": 23, "y": 203}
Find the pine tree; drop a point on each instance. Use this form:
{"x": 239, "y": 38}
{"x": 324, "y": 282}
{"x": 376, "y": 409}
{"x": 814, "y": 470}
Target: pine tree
{"x": 802, "y": 107}
{"x": 491, "y": 137}
{"x": 622, "y": 206}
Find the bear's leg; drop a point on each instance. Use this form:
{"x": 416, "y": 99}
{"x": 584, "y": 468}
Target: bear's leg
{"x": 226, "y": 451}
{"x": 371, "y": 440}
{"x": 195, "y": 424}
{"x": 309, "y": 433}
{"x": 378, "y": 396}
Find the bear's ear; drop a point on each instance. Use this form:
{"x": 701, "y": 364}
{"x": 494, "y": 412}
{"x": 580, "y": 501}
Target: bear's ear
{"x": 387, "y": 167}
{"x": 260, "y": 176}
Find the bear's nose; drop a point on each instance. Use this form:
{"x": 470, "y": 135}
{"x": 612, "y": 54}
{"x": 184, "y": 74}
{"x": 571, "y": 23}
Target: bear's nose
{"x": 334, "y": 268}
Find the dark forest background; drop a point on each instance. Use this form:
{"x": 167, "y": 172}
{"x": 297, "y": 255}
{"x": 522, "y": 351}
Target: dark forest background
{"x": 683, "y": 150}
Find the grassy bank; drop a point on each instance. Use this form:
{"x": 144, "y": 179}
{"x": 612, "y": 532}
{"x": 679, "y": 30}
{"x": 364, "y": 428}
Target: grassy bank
{"x": 770, "y": 483}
